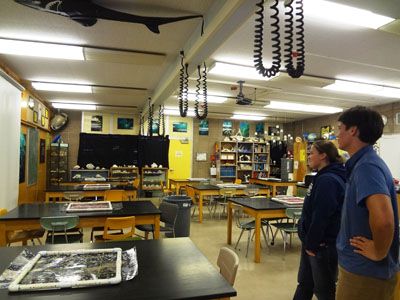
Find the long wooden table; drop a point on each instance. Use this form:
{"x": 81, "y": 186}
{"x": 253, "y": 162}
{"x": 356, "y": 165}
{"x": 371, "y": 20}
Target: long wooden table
{"x": 202, "y": 190}
{"x": 180, "y": 183}
{"x": 259, "y": 208}
{"x": 274, "y": 184}
{"x": 168, "y": 269}
{"x": 27, "y": 216}
{"x": 58, "y": 191}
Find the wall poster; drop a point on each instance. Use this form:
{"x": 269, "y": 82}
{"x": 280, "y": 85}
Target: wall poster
{"x": 96, "y": 123}
{"x": 22, "y": 157}
{"x": 124, "y": 123}
{"x": 203, "y": 127}
{"x": 245, "y": 129}
{"x": 179, "y": 127}
{"x": 226, "y": 128}
{"x": 154, "y": 126}
{"x": 260, "y": 130}
{"x": 33, "y": 156}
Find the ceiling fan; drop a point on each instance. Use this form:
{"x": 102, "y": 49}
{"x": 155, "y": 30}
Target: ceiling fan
{"x": 241, "y": 99}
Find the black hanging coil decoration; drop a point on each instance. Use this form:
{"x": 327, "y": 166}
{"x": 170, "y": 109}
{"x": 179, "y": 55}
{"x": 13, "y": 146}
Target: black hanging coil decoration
{"x": 204, "y": 94}
{"x": 161, "y": 121}
{"x": 183, "y": 88}
{"x": 141, "y": 125}
{"x": 259, "y": 41}
{"x": 276, "y": 52}
{"x": 289, "y": 53}
{"x": 150, "y": 119}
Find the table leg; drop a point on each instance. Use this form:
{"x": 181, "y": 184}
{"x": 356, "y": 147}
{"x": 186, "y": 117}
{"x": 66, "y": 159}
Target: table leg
{"x": 3, "y": 241}
{"x": 157, "y": 227}
{"x": 294, "y": 190}
{"x": 229, "y": 229}
{"x": 177, "y": 189}
{"x": 257, "y": 242}
{"x": 200, "y": 207}
{"x": 273, "y": 190}
{"x": 47, "y": 197}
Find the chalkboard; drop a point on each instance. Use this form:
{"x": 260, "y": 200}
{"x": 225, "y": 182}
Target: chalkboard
{"x": 389, "y": 146}
{"x": 33, "y": 155}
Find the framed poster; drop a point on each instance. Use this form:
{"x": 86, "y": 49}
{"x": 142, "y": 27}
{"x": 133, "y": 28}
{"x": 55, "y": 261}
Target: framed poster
{"x": 42, "y": 120}
{"x": 260, "y": 130}
{"x": 179, "y": 127}
{"x": 33, "y": 156}
{"x": 201, "y": 156}
{"x": 226, "y": 128}
{"x": 245, "y": 129}
{"x": 96, "y": 123}
{"x": 46, "y": 113}
{"x": 124, "y": 123}
{"x": 35, "y": 116}
{"x": 203, "y": 127}
{"x": 154, "y": 126}
{"x": 42, "y": 150}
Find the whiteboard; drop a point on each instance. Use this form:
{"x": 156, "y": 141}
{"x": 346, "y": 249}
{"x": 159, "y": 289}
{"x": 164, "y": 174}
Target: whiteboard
{"x": 389, "y": 150}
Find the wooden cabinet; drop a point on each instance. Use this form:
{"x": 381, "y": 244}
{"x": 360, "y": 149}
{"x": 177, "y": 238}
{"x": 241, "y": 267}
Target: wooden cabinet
{"x": 301, "y": 150}
{"x": 152, "y": 178}
{"x": 124, "y": 173}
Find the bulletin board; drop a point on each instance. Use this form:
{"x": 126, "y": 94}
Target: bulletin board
{"x": 33, "y": 155}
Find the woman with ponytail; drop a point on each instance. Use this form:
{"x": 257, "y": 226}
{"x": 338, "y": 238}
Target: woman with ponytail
{"x": 319, "y": 224}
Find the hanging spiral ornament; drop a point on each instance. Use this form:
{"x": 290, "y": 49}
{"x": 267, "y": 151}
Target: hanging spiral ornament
{"x": 141, "y": 132}
{"x": 299, "y": 54}
{"x": 161, "y": 121}
{"x": 259, "y": 41}
{"x": 204, "y": 94}
{"x": 150, "y": 119}
{"x": 183, "y": 88}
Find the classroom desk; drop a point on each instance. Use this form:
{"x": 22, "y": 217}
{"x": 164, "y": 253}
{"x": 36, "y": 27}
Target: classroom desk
{"x": 168, "y": 269}
{"x": 27, "y": 216}
{"x": 202, "y": 190}
{"x": 57, "y": 191}
{"x": 274, "y": 184}
{"x": 179, "y": 183}
{"x": 259, "y": 208}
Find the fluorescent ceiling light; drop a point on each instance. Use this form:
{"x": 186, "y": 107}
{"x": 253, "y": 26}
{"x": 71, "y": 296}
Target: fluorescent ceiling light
{"x": 303, "y": 107}
{"x": 37, "y": 49}
{"x": 238, "y": 116}
{"x": 60, "y": 87}
{"x": 364, "y": 88}
{"x": 339, "y": 13}
{"x": 237, "y": 71}
{"x": 210, "y": 99}
{"x": 78, "y": 106}
{"x": 175, "y": 112}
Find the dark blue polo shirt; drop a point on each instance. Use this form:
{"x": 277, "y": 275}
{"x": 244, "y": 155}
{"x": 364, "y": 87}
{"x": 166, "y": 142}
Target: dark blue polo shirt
{"x": 367, "y": 174}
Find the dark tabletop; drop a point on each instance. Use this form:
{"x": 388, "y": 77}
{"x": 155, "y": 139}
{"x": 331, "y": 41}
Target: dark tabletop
{"x": 277, "y": 181}
{"x": 204, "y": 187}
{"x": 79, "y": 188}
{"x": 258, "y": 203}
{"x": 38, "y": 210}
{"x": 168, "y": 269}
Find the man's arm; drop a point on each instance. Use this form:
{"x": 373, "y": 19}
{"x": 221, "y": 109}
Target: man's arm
{"x": 381, "y": 222}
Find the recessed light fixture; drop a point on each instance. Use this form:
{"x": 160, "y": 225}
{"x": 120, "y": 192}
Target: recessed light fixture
{"x": 61, "y": 87}
{"x": 244, "y": 116}
{"x": 339, "y": 13}
{"x": 78, "y": 106}
{"x": 303, "y": 107}
{"x": 364, "y": 88}
{"x": 237, "y": 71}
{"x": 38, "y": 49}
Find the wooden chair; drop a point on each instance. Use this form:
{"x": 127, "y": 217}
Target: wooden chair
{"x": 23, "y": 235}
{"x": 190, "y": 193}
{"x": 166, "y": 191}
{"x": 114, "y": 195}
{"x": 117, "y": 224}
{"x": 228, "y": 263}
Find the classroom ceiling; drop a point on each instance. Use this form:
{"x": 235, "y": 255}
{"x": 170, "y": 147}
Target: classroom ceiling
{"x": 127, "y": 63}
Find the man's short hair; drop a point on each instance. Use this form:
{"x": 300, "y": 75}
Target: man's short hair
{"x": 369, "y": 123}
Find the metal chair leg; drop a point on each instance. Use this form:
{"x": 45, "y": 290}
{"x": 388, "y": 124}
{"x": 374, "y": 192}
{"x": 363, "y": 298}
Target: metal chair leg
{"x": 248, "y": 243}
{"x": 240, "y": 236}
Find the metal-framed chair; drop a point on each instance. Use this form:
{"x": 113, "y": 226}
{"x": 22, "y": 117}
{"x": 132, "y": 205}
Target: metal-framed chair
{"x": 73, "y": 196}
{"x": 228, "y": 263}
{"x": 294, "y": 214}
{"x": 65, "y": 225}
{"x": 169, "y": 213}
{"x": 120, "y": 223}
{"x": 22, "y": 235}
{"x": 221, "y": 202}
{"x": 245, "y": 226}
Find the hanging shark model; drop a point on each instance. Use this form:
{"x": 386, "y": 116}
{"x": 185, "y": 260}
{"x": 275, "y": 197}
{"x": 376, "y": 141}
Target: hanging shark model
{"x": 86, "y": 13}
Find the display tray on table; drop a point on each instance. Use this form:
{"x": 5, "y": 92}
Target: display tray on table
{"x": 289, "y": 200}
{"x": 70, "y": 269}
{"x": 89, "y": 206}
{"x": 97, "y": 186}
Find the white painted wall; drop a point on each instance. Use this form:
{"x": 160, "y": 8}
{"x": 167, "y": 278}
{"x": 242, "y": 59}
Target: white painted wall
{"x": 10, "y": 127}
{"x": 389, "y": 150}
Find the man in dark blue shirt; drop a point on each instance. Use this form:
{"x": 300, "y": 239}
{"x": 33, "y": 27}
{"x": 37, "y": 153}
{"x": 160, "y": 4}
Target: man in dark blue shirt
{"x": 368, "y": 240}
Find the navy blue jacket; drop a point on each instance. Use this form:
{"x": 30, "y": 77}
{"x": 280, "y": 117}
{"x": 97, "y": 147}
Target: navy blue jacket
{"x": 320, "y": 219}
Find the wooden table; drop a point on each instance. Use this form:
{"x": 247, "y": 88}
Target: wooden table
{"x": 57, "y": 191}
{"x": 179, "y": 183}
{"x": 27, "y": 216}
{"x": 274, "y": 184}
{"x": 259, "y": 208}
{"x": 168, "y": 269}
{"x": 202, "y": 190}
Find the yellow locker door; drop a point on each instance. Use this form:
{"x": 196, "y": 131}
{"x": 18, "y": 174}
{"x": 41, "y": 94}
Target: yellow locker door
{"x": 180, "y": 159}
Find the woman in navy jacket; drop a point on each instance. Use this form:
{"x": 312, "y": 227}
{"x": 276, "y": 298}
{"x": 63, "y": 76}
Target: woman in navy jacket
{"x": 319, "y": 224}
